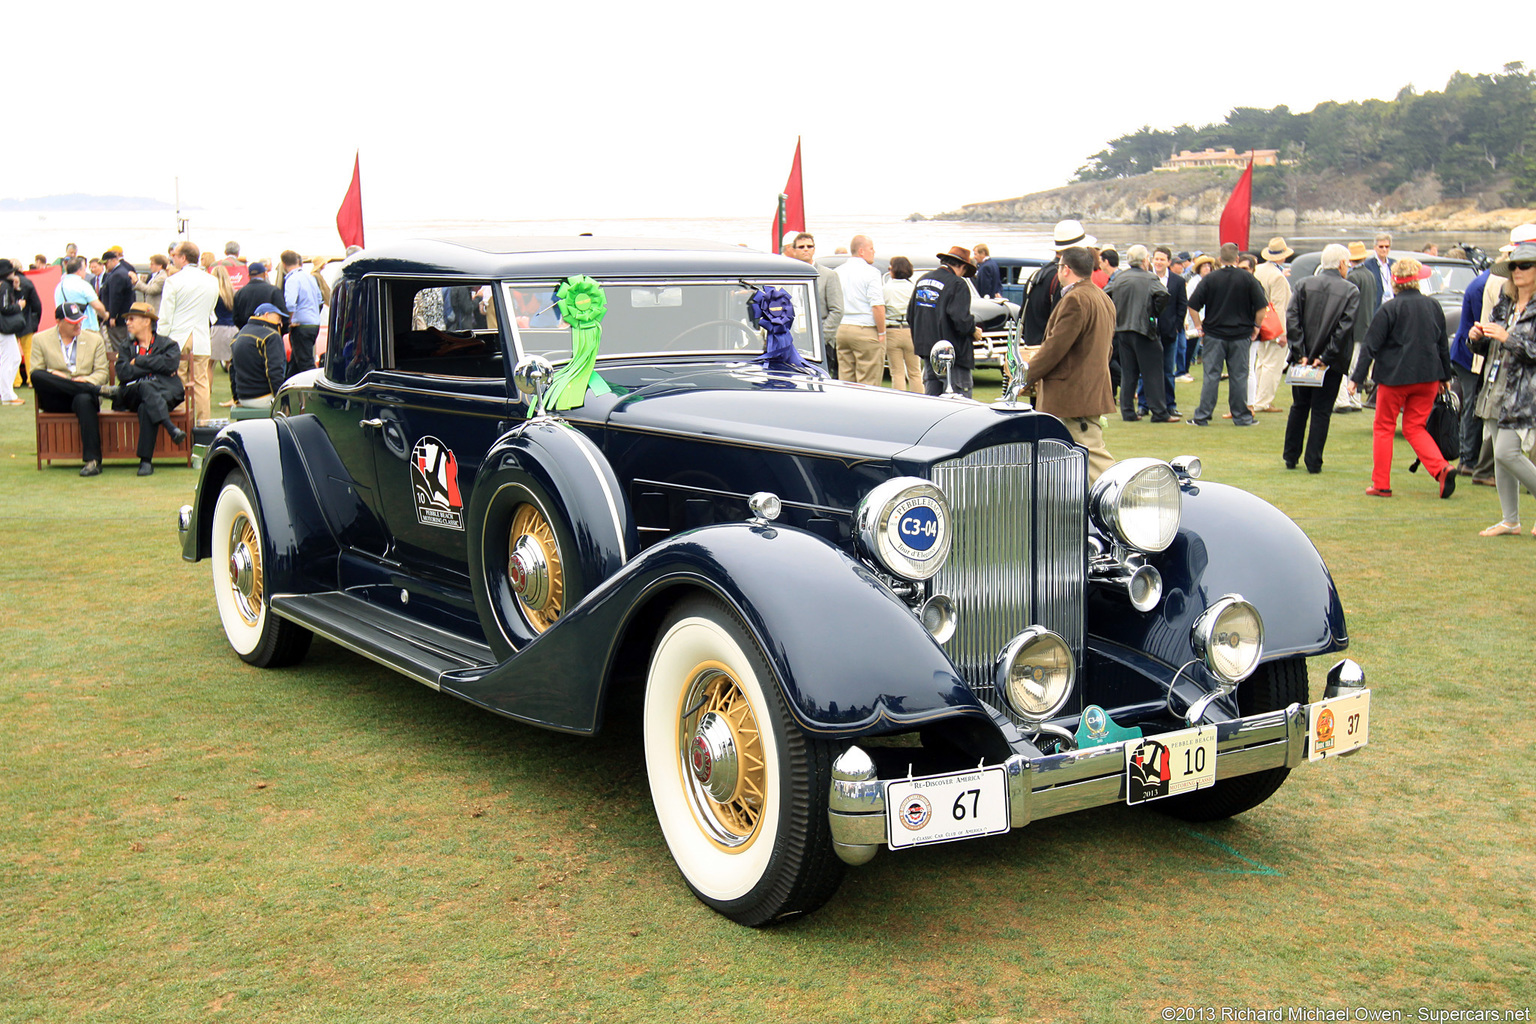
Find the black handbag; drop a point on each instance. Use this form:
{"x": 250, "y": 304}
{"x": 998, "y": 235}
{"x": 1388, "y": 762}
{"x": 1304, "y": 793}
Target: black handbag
{"x": 1444, "y": 425}
{"x": 11, "y": 323}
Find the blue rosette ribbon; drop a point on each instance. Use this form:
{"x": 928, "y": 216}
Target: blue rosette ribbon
{"x": 774, "y": 310}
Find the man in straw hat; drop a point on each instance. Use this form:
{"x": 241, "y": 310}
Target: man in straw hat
{"x": 940, "y": 310}
{"x": 1266, "y": 359}
{"x": 146, "y": 368}
{"x": 1044, "y": 288}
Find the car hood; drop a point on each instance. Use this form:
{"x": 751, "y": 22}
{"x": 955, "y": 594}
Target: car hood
{"x": 789, "y": 410}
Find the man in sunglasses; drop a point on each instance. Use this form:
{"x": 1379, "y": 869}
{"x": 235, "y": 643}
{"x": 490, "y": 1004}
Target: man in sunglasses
{"x": 829, "y": 293}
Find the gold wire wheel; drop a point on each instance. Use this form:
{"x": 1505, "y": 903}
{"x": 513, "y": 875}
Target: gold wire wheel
{"x": 731, "y": 822}
{"x": 245, "y": 576}
{"x": 541, "y": 592}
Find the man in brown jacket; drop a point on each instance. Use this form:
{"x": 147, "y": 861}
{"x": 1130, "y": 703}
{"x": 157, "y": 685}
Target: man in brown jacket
{"x": 69, "y": 366}
{"x": 1071, "y": 364}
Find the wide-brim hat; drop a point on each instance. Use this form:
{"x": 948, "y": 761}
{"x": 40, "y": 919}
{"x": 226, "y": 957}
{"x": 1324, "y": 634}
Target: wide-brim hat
{"x": 1358, "y": 251}
{"x": 1524, "y": 252}
{"x": 1277, "y": 251}
{"x": 1521, "y": 233}
{"x": 958, "y": 252}
{"x": 1070, "y": 233}
{"x": 1204, "y": 259}
{"x": 142, "y": 309}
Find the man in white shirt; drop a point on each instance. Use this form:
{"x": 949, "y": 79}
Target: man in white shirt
{"x": 186, "y": 306}
{"x": 861, "y": 335}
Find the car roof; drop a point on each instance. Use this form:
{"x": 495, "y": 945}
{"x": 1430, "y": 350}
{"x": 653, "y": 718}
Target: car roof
{"x": 565, "y": 256}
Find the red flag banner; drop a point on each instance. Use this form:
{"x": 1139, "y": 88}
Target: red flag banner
{"x": 349, "y": 219}
{"x": 790, "y": 214}
{"x": 1239, "y": 210}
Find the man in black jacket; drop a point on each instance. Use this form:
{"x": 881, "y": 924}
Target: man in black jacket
{"x": 1139, "y": 298}
{"x": 258, "y": 364}
{"x": 34, "y": 310}
{"x": 1044, "y": 288}
{"x": 940, "y": 310}
{"x": 146, "y": 372}
{"x": 1231, "y": 304}
{"x": 258, "y": 292}
{"x": 1319, "y": 323}
{"x": 117, "y": 295}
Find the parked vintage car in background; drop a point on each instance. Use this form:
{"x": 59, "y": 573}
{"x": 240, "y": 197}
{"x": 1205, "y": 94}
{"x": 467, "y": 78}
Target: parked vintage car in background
{"x": 852, "y": 617}
{"x": 1447, "y": 282}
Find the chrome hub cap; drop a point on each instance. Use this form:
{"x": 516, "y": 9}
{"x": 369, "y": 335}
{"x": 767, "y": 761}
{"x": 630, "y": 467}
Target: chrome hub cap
{"x": 245, "y": 570}
{"x": 713, "y": 757}
{"x": 528, "y": 571}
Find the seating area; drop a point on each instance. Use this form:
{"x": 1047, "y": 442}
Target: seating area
{"x": 58, "y": 437}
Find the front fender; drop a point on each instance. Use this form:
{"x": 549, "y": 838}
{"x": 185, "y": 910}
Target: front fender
{"x": 301, "y": 555}
{"x": 850, "y": 657}
{"x": 1231, "y": 541}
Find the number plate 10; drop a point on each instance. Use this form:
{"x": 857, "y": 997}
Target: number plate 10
{"x": 943, "y": 808}
{"x": 1169, "y": 764}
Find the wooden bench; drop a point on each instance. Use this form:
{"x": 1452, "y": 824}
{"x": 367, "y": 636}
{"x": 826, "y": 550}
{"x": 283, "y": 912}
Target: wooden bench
{"x": 58, "y": 436}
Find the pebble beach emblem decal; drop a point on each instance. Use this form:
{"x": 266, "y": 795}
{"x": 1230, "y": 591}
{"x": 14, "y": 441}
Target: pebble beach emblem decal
{"x": 435, "y": 485}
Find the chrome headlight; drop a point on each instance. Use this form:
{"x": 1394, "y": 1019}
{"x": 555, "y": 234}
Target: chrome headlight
{"x": 904, "y": 526}
{"x": 1229, "y": 637}
{"x": 1035, "y": 673}
{"x": 1138, "y": 501}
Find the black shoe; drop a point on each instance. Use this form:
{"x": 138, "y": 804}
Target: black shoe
{"x": 1198, "y": 423}
{"x": 1315, "y": 469}
{"x": 1447, "y": 482}
{"x": 1249, "y": 422}
{"x": 92, "y": 468}
{"x": 1131, "y": 419}
{"x": 146, "y": 468}
{"x": 177, "y": 435}
{"x": 1290, "y": 463}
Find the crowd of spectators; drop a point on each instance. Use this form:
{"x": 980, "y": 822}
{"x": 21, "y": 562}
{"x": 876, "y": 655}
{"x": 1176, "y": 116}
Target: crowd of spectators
{"x": 158, "y": 329}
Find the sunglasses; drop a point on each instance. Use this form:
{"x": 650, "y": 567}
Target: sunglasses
{"x": 1526, "y": 265}
{"x": 808, "y": 245}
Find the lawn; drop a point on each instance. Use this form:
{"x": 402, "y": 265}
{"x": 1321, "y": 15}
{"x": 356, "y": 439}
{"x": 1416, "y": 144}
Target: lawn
{"x": 183, "y": 836}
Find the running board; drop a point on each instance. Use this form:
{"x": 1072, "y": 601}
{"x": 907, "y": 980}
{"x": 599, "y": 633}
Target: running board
{"x": 410, "y": 647}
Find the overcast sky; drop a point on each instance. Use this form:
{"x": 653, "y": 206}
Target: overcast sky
{"x": 665, "y": 109}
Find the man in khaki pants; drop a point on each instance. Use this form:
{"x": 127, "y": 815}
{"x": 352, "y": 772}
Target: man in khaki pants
{"x": 186, "y": 306}
{"x": 861, "y": 335}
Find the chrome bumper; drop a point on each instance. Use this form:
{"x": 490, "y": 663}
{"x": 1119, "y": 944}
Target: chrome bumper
{"x": 1042, "y": 787}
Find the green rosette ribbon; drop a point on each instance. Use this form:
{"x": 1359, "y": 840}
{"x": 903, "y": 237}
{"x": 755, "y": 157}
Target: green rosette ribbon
{"x": 582, "y": 306}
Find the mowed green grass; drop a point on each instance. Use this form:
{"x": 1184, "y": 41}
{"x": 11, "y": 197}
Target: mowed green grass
{"x": 185, "y": 837}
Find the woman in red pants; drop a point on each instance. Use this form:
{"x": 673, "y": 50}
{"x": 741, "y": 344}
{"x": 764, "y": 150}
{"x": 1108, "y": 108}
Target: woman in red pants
{"x": 1407, "y": 341}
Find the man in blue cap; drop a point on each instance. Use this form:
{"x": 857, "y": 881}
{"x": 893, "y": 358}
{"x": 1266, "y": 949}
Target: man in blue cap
{"x": 258, "y": 363}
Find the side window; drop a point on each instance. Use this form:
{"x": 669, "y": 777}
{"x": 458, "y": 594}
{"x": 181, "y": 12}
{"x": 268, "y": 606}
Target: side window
{"x": 444, "y": 329}
{"x": 353, "y": 349}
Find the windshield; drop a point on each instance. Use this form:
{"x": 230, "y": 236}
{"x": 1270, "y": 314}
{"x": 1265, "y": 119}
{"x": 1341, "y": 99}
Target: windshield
{"x": 1448, "y": 278}
{"x": 645, "y": 318}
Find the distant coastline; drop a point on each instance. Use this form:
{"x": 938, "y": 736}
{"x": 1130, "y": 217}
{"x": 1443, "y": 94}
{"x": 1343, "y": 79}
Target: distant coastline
{"x": 1196, "y": 198}
{"x": 79, "y": 202}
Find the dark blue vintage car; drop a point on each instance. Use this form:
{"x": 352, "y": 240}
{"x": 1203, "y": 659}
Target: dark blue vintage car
{"x": 852, "y": 617}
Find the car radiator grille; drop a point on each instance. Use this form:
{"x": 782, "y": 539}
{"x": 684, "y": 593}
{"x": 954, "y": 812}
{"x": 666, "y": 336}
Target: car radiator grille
{"x": 1019, "y": 554}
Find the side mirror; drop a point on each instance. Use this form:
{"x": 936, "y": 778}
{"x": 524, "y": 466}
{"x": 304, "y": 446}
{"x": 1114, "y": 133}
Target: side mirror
{"x": 941, "y": 359}
{"x": 532, "y": 377}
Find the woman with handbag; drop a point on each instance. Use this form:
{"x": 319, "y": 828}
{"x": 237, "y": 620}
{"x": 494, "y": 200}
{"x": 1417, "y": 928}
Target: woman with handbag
{"x": 1407, "y": 341}
{"x": 13, "y": 322}
{"x": 1267, "y": 355}
{"x": 1509, "y": 389}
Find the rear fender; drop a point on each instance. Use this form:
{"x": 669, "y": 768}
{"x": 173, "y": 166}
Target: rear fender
{"x": 301, "y": 555}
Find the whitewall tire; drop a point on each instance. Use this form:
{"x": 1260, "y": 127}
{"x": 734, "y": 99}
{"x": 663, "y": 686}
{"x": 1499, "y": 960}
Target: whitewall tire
{"x": 740, "y": 791}
{"x": 240, "y": 585}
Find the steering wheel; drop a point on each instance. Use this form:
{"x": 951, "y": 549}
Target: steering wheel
{"x": 751, "y": 337}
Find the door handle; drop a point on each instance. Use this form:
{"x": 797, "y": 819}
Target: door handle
{"x": 371, "y": 424}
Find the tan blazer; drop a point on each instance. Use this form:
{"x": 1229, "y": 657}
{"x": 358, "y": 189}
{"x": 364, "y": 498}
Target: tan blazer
{"x": 1072, "y": 362}
{"x": 90, "y": 355}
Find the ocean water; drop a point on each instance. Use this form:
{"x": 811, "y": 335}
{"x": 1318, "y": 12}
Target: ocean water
{"x": 141, "y": 233}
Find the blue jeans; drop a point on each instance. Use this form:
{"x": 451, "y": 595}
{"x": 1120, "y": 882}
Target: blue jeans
{"x": 1233, "y": 352}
